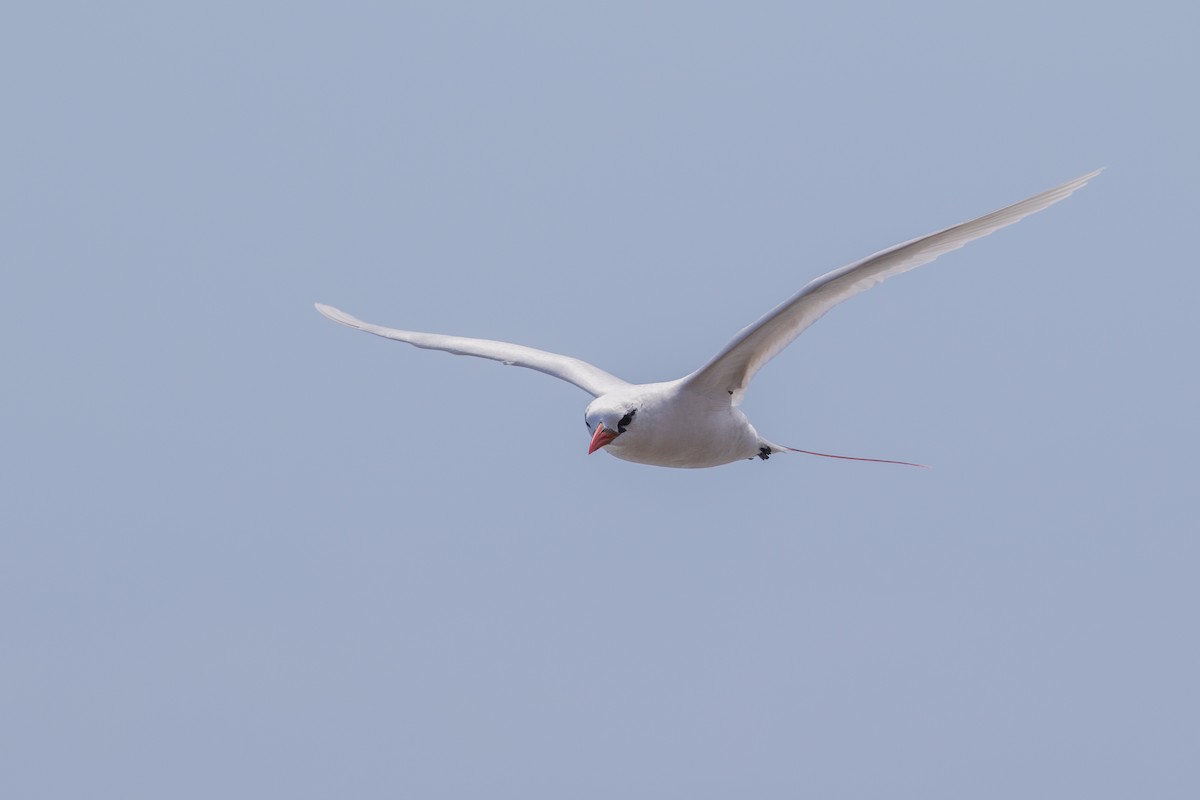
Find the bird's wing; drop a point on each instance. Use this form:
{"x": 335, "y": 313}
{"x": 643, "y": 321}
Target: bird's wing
{"x": 591, "y": 379}
{"x": 730, "y": 371}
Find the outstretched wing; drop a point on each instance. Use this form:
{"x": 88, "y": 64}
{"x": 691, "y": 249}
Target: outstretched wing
{"x": 731, "y": 370}
{"x": 592, "y": 380}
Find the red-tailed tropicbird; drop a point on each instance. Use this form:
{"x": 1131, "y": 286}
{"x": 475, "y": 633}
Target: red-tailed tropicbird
{"x": 695, "y": 421}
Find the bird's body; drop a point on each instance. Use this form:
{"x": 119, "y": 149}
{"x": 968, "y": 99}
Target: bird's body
{"x": 677, "y": 427}
{"x": 695, "y": 421}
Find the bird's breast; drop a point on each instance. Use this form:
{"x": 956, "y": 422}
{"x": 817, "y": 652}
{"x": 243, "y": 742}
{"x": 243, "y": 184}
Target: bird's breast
{"x": 687, "y": 435}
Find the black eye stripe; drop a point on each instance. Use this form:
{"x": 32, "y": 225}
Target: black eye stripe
{"x": 625, "y": 420}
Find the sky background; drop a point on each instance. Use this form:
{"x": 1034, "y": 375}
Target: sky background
{"x": 245, "y": 552}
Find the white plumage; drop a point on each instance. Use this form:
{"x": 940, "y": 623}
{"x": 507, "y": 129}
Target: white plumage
{"x": 694, "y": 421}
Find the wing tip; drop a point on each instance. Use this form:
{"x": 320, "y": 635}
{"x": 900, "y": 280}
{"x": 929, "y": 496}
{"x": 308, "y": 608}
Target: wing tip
{"x": 1070, "y": 186}
{"x": 337, "y": 315}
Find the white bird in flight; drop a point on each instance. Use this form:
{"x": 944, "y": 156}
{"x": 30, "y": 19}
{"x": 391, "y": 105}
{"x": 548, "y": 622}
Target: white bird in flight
{"x": 695, "y": 421}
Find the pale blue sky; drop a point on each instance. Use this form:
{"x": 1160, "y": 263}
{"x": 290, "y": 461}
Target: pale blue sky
{"x": 249, "y": 553}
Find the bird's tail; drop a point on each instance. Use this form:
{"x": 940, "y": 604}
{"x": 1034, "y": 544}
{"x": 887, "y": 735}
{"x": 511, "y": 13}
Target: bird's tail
{"x": 779, "y": 448}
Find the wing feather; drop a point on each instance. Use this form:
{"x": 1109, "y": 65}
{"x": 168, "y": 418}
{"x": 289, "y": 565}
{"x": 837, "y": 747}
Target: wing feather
{"x": 591, "y": 379}
{"x": 730, "y": 371}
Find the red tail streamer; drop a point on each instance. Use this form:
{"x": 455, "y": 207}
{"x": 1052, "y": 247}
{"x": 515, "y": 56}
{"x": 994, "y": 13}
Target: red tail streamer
{"x": 856, "y": 458}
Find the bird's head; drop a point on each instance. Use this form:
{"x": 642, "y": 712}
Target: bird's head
{"x": 607, "y": 418}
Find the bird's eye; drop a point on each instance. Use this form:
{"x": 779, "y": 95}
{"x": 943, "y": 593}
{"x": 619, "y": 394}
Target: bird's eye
{"x": 625, "y": 420}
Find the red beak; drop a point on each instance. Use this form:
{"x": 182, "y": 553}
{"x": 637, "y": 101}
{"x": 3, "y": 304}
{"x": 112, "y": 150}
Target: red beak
{"x": 601, "y": 437}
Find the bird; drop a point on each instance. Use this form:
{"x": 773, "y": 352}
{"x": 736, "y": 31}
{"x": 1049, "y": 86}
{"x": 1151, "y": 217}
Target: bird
{"x": 695, "y": 421}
